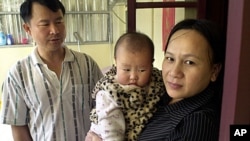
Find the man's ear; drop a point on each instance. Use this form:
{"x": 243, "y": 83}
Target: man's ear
{"x": 215, "y": 72}
{"x": 26, "y": 27}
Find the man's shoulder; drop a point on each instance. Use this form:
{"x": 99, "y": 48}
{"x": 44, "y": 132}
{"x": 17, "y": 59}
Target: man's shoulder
{"x": 21, "y": 62}
{"x": 79, "y": 54}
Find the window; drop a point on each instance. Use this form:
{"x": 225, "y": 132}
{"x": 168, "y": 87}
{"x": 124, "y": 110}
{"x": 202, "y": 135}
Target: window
{"x": 87, "y": 21}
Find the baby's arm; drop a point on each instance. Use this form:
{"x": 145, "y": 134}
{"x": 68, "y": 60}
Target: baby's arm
{"x": 111, "y": 122}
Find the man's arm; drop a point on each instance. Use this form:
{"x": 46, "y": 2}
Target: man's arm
{"x": 21, "y": 133}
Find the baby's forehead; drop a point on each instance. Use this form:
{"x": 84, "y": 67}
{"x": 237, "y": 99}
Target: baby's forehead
{"x": 134, "y": 46}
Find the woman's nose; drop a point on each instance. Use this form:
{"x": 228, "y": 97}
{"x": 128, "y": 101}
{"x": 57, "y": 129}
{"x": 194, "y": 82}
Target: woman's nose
{"x": 176, "y": 71}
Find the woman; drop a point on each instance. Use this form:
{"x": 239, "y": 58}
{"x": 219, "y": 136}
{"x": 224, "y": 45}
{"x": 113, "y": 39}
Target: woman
{"x": 191, "y": 67}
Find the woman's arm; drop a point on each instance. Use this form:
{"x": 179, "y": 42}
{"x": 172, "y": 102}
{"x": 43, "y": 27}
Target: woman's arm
{"x": 21, "y": 133}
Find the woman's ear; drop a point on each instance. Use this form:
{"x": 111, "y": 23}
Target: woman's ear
{"x": 215, "y": 72}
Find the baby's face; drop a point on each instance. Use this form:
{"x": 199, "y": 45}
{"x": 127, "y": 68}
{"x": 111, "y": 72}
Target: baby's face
{"x": 133, "y": 68}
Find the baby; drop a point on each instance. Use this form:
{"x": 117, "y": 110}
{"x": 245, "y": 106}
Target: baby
{"x": 127, "y": 94}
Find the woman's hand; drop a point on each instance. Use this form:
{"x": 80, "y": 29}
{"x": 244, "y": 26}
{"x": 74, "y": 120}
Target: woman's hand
{"x": 91, "y": 136}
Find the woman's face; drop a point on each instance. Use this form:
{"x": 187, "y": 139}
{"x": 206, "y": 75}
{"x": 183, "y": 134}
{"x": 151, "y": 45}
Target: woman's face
{"x": 187, "y": 68}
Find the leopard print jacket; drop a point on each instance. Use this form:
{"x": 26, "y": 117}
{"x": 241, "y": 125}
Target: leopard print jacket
{"x": 138, "y": 105}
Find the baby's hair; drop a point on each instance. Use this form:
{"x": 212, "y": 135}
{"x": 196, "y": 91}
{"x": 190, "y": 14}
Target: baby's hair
{"x": 136, "y": 42}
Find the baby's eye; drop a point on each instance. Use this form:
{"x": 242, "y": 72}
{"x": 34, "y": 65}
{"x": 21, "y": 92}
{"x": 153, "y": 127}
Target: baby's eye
{"x": 141, "y": 70}
{"x": 126, "y": 69}
{"x": 189, "y": 62}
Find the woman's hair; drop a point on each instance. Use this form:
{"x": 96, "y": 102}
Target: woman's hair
{"x": 136, "y": 42}
{"x": 209, "y": 31}
{"x": 26, "y": 7}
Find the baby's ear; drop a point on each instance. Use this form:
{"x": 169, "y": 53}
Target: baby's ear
{"x": 215, "y": 72}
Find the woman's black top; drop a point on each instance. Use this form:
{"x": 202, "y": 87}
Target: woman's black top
{"x": 191, "y": 119}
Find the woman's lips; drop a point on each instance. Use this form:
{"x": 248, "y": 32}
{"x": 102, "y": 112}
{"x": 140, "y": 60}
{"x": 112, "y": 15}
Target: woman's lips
{"x": 174, "y": 85}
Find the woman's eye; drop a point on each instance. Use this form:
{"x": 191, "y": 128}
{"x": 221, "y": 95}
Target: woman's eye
{"x": 189, "y": 62}
{"x": 170, "y": 59}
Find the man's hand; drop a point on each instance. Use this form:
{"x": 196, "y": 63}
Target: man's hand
{"x": 91, "y": 136}
{"x": 21, "y": 133}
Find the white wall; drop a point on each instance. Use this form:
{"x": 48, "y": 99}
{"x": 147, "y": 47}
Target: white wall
{"x": 5, "y": 131}
{"x": 149, "y": 21}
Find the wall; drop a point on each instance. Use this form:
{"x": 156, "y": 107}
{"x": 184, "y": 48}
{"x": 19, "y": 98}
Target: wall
{"x": 152, "y": 26}
{"x": 235, "y": 104}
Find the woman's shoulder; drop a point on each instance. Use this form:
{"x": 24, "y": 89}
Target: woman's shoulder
{"x": 199, "y": 125}
{"x": 205, "y": 113}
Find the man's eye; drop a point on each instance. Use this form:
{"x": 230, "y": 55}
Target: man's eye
{"x": 43, "y": 24}
{"x": 59, "y": 22}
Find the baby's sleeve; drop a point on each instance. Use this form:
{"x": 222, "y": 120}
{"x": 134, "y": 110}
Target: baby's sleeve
{"x": 111, "y": 122}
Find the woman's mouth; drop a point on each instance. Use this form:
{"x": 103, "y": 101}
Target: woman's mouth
{"x": 174, "y": 85}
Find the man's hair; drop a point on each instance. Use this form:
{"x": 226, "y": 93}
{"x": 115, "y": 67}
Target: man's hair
{"x": 26, "y": 7}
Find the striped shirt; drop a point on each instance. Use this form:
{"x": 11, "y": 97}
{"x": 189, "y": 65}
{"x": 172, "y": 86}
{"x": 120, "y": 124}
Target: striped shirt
{"x": 192, "y": 119}
{"x": 55, "y": 109}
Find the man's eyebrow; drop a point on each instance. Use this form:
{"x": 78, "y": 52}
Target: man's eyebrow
{"x": 59, "y": 18}
{"x": 45, "y": 20}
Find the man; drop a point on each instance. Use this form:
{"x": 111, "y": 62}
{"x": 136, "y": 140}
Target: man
{"x": 46, "y": 96}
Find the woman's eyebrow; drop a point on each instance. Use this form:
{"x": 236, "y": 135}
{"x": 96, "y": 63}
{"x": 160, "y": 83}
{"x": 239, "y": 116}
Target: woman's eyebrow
{"x": 185, "y": 55}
